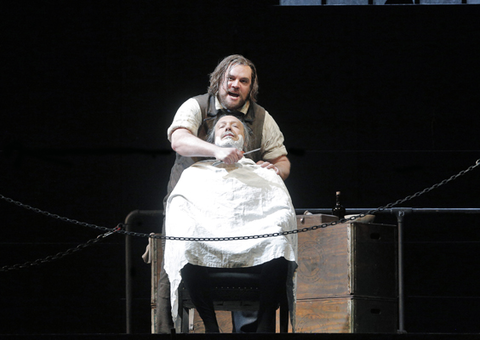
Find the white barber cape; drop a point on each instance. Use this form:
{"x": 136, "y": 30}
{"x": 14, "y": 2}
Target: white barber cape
{"x": 242, "y": 199}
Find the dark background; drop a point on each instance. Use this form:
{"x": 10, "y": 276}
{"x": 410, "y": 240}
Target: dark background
{"x": 376, "y": 101}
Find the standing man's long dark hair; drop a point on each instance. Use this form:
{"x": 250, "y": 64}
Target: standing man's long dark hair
{"x": 217, "y": 77}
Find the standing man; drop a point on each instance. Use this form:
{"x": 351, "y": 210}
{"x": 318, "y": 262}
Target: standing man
{"x": 233, "y": 90}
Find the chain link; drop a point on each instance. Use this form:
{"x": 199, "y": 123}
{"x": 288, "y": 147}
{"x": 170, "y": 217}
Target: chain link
{"x": 426, "y": 190}
{"x": 54, "y": 216}
{"x": 121, "y": 230}
{"x": 59, "y": 255}
{"x": 315, "y": 227}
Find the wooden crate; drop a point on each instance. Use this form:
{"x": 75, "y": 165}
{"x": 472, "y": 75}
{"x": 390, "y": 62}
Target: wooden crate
{"x": 347, "y": 277}
{"x": 346, "y": 259}
{"x": 347, "y": 315}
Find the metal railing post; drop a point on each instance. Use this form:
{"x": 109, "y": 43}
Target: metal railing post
{"x": 400, "y": 220}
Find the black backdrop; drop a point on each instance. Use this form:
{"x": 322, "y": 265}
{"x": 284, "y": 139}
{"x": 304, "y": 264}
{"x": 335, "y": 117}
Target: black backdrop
{"x": 376, "y": 101}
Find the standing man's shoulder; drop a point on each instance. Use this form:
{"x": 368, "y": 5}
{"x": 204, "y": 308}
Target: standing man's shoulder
{"x": 202, "y": 98}
{"x": 188, "y": 116}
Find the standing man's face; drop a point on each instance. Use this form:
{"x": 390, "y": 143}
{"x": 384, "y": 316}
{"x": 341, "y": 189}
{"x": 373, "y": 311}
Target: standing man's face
{"x": 235, "y": 89}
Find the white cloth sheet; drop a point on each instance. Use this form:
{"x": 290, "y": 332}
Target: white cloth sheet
{"x": 227, "y": 200}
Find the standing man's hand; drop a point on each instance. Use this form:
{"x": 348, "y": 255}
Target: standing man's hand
{"x": 281, "y": 165}
{"x": 268, "y": 165}
{"x": 228, "y": 155}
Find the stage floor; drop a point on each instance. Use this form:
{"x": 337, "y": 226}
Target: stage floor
{"x": 226, "y": 336}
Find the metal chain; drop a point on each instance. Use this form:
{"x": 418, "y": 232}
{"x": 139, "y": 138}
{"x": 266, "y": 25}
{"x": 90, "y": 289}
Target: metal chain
{"x": 284, "y": 233}
{"x": 315, "y": 227}
{"x": 60, "y": 255}
{"x": 424, "y": 191}
{"x": 54, "y": 216}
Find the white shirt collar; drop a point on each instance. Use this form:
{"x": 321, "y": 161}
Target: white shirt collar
{"x": 244, "y": 109}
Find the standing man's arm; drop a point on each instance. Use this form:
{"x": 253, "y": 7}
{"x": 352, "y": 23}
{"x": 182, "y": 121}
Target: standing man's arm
{"x": 189, "y": 145}
{"x": 275, "y": 153}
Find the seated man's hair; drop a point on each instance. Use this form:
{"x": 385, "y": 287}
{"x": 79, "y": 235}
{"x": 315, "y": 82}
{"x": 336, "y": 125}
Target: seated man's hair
{"x": 247, "y": 130}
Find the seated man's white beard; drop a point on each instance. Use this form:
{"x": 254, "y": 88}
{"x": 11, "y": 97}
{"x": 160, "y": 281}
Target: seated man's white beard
{"x": 228, "y": 142}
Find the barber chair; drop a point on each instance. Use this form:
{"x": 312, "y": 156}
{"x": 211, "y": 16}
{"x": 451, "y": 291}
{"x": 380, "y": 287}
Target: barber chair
{"x": 234, "y": 291}
{"x": 231, "y": 291}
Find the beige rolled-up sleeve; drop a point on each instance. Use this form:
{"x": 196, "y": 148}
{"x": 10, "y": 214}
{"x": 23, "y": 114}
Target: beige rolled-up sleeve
{"x": 188, "y": 116}
{"x": 272, "y": 140}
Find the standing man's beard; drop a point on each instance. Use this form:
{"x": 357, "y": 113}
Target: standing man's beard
{"x": 230, "y": 143}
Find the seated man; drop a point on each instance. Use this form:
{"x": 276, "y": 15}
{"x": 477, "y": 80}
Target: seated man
{"x": 240, "y": 199}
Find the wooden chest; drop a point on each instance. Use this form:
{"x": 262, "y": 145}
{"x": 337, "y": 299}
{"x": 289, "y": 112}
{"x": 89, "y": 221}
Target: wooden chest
{"x": 349, "y": 258}
{"x": 347, "y": 277}
{"x": 347, "y": 315}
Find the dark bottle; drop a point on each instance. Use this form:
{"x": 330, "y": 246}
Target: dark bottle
{"x": 338, "y": 210}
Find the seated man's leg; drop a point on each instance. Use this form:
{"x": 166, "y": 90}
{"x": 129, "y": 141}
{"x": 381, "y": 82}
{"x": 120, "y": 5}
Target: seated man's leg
{"x": 197, "y": 282}
{"x": 164, "y": 308}
{"x": 273, "y": 280}
{"x": 244, "y": 321}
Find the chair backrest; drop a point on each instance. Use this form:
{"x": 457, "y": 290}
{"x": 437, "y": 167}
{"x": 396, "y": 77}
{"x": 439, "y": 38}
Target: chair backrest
{"x": 231, "y": 291}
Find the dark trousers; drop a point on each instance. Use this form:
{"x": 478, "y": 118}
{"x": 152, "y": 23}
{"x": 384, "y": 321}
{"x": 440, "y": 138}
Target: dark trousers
{"x": 273, "y": 278}
{"x": 164, "y": 307}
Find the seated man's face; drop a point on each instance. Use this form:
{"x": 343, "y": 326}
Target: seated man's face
{"x": 229, "y": 132}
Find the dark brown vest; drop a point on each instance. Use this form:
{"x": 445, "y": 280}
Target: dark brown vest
{"x": 254, "y": 118}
